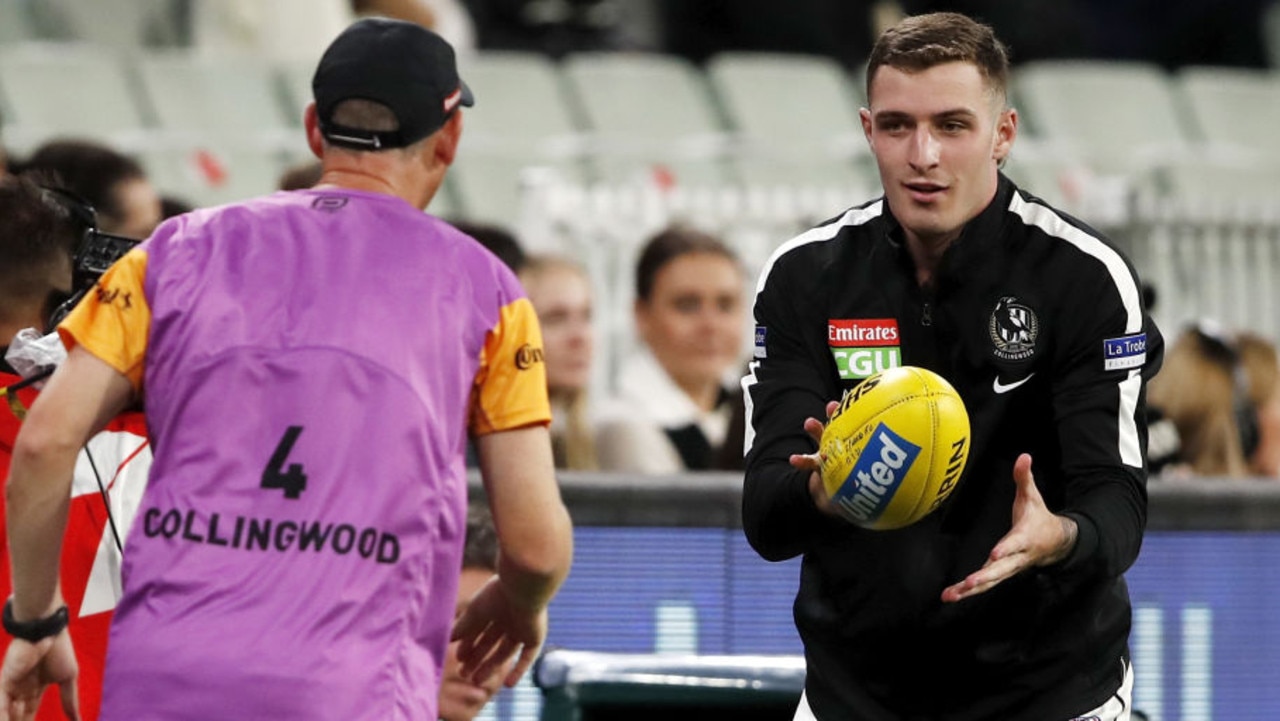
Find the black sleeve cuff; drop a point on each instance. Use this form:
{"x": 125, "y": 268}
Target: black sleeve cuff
{"x": 1086, "y": 547}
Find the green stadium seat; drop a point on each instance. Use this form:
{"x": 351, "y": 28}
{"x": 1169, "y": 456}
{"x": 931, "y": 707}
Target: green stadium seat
{"x": 68, "y": 90}
{"x": 644, "y": 109}
{"x": 233, "y": 96}
{"x": 1236, "y": 111}
{"x": 1115, "y": 116}
{"x": 208, "y": 174}
{"x": 520, "y": 107}
{"x": 789, "y": 106}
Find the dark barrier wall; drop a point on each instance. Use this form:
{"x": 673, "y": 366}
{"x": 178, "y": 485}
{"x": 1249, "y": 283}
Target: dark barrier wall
{"x": 662, "y": 566}
{"x": 714, "y": 499}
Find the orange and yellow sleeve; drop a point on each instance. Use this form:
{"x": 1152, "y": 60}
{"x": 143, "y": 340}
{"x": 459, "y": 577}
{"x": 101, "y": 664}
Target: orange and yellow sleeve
{"x": 510, "y": 388}
{"x": 114, "y": 319}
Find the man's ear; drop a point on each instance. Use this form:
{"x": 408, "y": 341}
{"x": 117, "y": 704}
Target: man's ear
{"x": 864, "y": 115}
{"x": 450, "y": 135}
{"x": 311, "y": 121}
{"x": 1006, "y": 133}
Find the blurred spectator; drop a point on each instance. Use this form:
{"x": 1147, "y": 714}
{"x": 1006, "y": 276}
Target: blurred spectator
{"x": 698, "y": 29}
{"x": 461, "y": 699}
{"x": 674, "y": 403}
{"x": 172, "y": 205}
{"x": 1204, "y": 392}
{"x": 561, "y": 294}
{"x": 300, "y": 176}
{"x": 113, "y": 183}
{"x": 38, "y": 232}
{"x": 37, "y": 239}
{"x": 1172, "y": 33}
{"x": 498, "y": 240}
{"x": 301, "y": 29}
{"x": 1262, "y": 369}
{"x": 452, "y": 21}
{"x": 554, "y": 27}
{"x": 504, "y": 245}
{"x": 732, "y": 455}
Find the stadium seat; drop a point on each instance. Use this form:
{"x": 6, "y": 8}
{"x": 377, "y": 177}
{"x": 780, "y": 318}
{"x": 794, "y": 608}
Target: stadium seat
{"x": 212, "y": 174}
{"x": 520, "y": 105}
{"x": 233, "y": 96}
{"x": 642, "y": 109}
{"x": 1236, "y": 111}
{"x": 1217, "y": 180}
{"x": 120, "y": 24}
{"x": 68, "y": 89}
{"x": 488, "y": 185}
{"x": 790, "y": 107}
{"x": 1116, "y": 116}
{"x": 15, "y": 22}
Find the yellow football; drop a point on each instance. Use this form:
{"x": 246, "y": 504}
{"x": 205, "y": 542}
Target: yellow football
{"x": 895, "y": 448}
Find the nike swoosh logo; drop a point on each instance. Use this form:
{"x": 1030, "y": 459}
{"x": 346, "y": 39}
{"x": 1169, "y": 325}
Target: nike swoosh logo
{"x": 999, "y": 387}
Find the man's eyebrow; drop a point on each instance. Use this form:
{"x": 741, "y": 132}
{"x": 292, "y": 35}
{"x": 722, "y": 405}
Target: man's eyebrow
{"x": 891, "y": 115}
{"x": 942, "y": 115}
{"x": 955, "y": 113}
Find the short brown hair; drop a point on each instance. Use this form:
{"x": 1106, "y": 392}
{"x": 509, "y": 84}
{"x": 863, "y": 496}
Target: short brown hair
{"x": 37, "y": 239}
{"x": 921, "y": 42}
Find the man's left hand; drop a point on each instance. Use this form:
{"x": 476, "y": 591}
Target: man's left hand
{"x": 1038, "y": 538}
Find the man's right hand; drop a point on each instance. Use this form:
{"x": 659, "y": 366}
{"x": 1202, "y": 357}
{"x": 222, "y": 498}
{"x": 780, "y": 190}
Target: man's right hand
{"x": 812, "y": 462}
{"x": 29, "y": 668}
{"x": 493, "y": 629}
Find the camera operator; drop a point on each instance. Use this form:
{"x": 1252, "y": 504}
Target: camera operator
{"x": 40, "y": 231}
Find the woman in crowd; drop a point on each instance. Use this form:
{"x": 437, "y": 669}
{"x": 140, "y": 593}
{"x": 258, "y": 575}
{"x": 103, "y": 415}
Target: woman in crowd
{"x": 1261, "y": 366}
{"x": 673, "y": 409}
{"x": 1219, "y": 392}
{"x": 561, "y": 295}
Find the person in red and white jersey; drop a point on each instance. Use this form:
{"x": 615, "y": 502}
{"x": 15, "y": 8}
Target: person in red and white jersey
{"x": 36, "y": 241}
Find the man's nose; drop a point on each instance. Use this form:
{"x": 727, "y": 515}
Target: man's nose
{"x": 925, "y": 149}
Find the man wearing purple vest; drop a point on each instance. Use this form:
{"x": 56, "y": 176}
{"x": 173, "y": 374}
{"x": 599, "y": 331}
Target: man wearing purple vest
{"x": 312, "y": 365}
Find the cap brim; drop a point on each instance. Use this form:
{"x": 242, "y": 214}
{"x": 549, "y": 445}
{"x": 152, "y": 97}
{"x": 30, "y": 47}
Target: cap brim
{"x": 468, "y": 99}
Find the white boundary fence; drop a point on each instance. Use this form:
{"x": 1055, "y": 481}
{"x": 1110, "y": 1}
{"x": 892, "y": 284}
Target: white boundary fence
{"x": 1217, "y": 261}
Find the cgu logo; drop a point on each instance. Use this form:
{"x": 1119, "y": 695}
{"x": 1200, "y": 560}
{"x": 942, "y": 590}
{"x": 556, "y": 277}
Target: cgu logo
{"x": 853, "y": 363}
{"x": 527, "y": 356}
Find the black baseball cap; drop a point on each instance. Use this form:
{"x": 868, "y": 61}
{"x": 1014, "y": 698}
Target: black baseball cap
{"x": 399, "y": 64}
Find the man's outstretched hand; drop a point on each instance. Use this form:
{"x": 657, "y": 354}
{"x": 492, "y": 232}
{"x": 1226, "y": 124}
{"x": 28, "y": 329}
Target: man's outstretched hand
{"x": 1038, "y": 538}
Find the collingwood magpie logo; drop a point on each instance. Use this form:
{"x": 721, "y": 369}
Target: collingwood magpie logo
{"x": 1013, "y": 328}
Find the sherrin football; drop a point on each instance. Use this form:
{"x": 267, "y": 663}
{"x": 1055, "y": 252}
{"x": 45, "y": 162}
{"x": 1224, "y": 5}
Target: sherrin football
{"x": 895, "y": 448}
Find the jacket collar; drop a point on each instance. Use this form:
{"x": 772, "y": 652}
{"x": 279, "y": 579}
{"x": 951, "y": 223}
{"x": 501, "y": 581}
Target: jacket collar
{"x": 984, "y": 232}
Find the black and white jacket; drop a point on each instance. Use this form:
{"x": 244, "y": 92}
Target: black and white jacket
{"x": 1038, "y": 322}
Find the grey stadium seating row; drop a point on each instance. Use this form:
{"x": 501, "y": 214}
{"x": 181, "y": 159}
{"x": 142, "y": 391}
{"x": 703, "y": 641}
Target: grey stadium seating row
{"x": 216, "y": 129}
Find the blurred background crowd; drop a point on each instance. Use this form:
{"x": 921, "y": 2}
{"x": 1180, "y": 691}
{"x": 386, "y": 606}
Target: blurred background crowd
{"x": 635, "y": 161}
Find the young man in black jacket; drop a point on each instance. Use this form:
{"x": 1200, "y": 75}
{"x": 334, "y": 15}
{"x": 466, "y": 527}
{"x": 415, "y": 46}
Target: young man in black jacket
{"x": 1009, "y": 602}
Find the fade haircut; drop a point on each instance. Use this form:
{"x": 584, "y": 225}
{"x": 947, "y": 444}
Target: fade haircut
{"x": 361, "y": 114}
{"x": 37, "y": 239}
{"x": 921, "y": 42}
